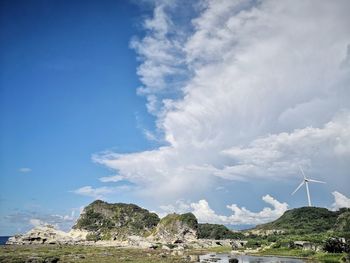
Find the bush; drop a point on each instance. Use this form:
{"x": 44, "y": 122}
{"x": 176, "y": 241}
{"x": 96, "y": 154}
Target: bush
{"x": 253, "y": 244}
{"x": 190, "y": 220}
{"x": 93, "y": 237}
{"x": 272, "y": 238}
{"x": 336, "y": 245}
{"x": 215, "y": 231}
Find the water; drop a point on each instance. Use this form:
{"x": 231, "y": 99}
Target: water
{"x": 223, "y": 258}
{"x": 3, "y": 240}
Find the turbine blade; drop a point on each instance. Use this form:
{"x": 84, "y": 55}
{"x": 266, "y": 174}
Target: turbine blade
{"x": 300, "y": 185}
{"x": 301, "y": 169}
{"x": 315, "y": 181}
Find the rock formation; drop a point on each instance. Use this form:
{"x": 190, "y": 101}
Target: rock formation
{"x": 175, "y": 228}
{"x": 45, "y": 235}
{"x": 106, "y": 221}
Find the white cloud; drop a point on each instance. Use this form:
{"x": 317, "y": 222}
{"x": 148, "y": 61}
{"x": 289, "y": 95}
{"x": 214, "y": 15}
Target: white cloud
{"x": 25, "y": 170}
{"x": 240, "y": 216}
{"x": 100, "y": 192}
{"x": 37, "y": 222}
{"x": 261, "y": 87}
{"x": 281, "y": 154}
{"x": 163, "y": 58}
{"x": 28, "y": 219}
{"x": 340, "y": 201}
{"x": 114, "y": 178}
{"x": 180, "y": 207}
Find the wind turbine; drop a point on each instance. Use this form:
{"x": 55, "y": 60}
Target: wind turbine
{"x": 306, "y": 181}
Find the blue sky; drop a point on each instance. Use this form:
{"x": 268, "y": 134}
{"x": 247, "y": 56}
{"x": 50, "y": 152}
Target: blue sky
{"x": 171, "y": 105}
{"x": 68, "y": 85}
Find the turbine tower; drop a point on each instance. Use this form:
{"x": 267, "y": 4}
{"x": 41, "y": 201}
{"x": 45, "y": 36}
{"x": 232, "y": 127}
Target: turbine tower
{"x": 306, "y": 181}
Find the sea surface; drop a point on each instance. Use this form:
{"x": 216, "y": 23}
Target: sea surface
{"x": 3, "y": 240}
{"x": 223, "y": 258}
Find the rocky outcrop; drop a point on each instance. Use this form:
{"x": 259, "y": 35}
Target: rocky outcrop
{"x": 175, "y": 228}
{"x": 106, "y": 221}
{"x": 43, "y": 235}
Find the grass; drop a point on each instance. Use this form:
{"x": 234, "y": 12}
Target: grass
{"x": 299, "y": 253}
{"x": 86, "y": 254}
{"x": 221, "y": 249}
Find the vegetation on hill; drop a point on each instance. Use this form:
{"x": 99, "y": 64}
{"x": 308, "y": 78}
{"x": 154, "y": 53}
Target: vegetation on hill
{"x": 215, "y": 231}
{"x": 307, "y": 220}
{"x": 175, "y": 227}
{"x": 189, "y": 219}
{"x": 107, "y": 221}
{"x": 343, "y": 221}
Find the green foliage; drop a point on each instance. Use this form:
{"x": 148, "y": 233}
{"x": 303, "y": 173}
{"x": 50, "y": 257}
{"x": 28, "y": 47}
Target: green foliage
{"x": 106, "y": 236}
{"x": 90, "y": 221}
{"x": 306, "y": 220}
{"x": 336, "y": 245}
{"x": 307, "y": 253}
{"x": 189, "y": 219}
{"x": 214, "y": 231}
{"x": 253, "y": 244}
{"x": 170, "y": 224}
{"x": 343, "y": 221}
{"x": 117, "y": 219}
{"x": 272, "y": 238}
{"x": 86, "y": 254}
{"x": 93, "y": 237}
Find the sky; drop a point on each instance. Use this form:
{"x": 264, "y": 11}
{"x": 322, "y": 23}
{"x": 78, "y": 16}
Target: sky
{"x": 208, "y": 106}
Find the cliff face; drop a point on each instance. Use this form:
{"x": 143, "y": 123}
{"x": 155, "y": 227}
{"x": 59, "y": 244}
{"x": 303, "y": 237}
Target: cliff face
{"x": 175, "y": 228}
{"x": 115, "y": 221}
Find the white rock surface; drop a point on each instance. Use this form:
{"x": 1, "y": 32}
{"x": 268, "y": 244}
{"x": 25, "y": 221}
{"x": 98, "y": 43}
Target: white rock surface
{"x": 42, "y": 235}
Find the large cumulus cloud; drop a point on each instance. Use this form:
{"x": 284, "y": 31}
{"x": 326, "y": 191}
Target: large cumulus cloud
{"x": 242, "y": 90}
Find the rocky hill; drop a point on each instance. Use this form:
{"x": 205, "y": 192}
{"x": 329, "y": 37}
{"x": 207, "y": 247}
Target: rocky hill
{"x": 115, "y": 221}
{"x": 306, "y": 220}
{"x": 175, "y": 228}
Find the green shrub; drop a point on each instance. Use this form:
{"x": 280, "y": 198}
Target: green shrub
{"x": 336, "y": 245}
{"x": 190, "y": 220}
{"x": 215, "y": 231}
{"x": 93, "y": 237}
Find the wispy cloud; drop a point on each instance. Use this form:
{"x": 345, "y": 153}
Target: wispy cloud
{"x": 37, "y": 222}
{"x": 28, "y": 219}
{"x": 100, "y": 192}
{"x": 113, "y": 178}
{"x": 24, "y": 170}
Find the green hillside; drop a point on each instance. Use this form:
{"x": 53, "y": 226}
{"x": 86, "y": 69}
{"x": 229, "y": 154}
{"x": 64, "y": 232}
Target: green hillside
{"x": 215, "y": 231}
{"x": 310, "y": 220}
